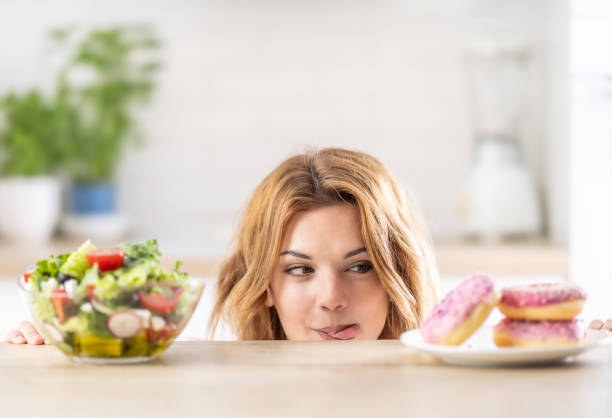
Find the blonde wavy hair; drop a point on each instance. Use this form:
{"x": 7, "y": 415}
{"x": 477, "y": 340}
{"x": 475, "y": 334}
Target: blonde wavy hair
{"x": 391, "y": 227}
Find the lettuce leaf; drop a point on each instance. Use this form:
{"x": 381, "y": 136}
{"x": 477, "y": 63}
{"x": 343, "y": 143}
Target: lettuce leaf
{"x": 91, "y": 276}
{"x": 137, "y": 253}
{"x": 46, "y": 269}
{"x": 137, "y": 275}
{"x": 43, "y": 308}
{"x": 107, "y": 287}
{"x": 77, "y": 324}
{"x": 77, "y": 263}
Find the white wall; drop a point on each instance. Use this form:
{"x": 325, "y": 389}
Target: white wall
{"x": 590, "y": 151}
{"x": 247, "y": 83}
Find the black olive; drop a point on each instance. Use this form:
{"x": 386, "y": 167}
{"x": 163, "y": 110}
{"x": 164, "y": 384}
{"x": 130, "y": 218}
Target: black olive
{"x": 70, "y": 309}
{"x": 132, "y": 299}
{"x": 128, "y": 298}
{"x": 62, "y": 277}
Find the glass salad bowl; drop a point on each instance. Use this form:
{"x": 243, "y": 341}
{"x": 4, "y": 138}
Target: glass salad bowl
{"x": 130, "y": 313}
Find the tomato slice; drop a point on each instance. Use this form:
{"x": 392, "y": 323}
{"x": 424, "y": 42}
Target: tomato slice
{"x": 28, "y": 274}
{"x": 106, "y": 259}
{"x": 159, "y": 303}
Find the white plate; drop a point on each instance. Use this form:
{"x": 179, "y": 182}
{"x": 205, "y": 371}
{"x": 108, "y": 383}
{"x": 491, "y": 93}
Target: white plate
{"x": 479, "y": 350}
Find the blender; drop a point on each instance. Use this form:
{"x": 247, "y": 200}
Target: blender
{"x": 500, "y": 198}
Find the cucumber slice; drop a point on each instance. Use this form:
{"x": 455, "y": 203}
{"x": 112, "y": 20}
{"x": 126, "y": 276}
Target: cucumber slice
{"x": 55, "y": 333}
{"x": 101, "y": 307}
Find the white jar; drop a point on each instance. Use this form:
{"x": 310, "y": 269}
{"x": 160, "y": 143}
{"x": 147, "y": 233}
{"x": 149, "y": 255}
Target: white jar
{"x": 29, "y": 208}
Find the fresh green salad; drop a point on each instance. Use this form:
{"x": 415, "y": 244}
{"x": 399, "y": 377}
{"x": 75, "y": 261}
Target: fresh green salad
{"x": 117, "y": 302}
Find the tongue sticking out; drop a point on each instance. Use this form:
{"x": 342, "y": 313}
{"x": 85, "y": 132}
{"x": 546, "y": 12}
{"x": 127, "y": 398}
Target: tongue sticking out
{"x": 344, "y": 333}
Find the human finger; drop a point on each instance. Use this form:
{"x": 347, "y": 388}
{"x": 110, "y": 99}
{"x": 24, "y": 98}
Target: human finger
{"x": 15, "y": 337}
{"x": 596, "y": 324}
{"x": 30, "y": 333}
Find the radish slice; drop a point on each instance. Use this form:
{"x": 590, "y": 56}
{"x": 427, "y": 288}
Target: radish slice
{"x": 124, "y": 324}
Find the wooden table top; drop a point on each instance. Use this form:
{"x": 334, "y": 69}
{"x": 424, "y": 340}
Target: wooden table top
{"x": 295, "y": 379}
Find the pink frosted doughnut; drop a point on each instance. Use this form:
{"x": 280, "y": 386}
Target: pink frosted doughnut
{"x": 544, "y": 301}
{"x": 518, "y": 332}
{"x": 461, "y": 312}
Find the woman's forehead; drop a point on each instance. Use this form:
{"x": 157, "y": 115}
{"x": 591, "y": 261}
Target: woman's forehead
{"x": 331, "y": 228}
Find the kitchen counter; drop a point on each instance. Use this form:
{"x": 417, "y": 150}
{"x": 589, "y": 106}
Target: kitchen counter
{"x": 295, "y": 379}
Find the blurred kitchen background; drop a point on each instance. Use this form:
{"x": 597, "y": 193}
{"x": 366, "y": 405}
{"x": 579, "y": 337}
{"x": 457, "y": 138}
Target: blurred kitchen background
{"x": 496, "y": 115}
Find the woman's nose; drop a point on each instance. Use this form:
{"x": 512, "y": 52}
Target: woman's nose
{"x": 331, "y": 295}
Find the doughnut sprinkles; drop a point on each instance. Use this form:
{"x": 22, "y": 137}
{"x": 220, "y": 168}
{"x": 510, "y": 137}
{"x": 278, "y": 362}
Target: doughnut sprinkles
{"x": 523, "y": 333}
{"x": 546, "y": 301}
{"x": 461, "y": 312}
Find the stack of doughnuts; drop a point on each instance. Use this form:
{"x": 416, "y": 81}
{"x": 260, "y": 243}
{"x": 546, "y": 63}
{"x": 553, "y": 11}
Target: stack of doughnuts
{"x": 540, "y": 315}
{"x": 536, "y": 315}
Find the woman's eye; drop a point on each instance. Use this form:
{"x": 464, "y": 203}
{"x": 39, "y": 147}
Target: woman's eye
{"x": 361, "y": 268}
{"x": 299, "y": 270}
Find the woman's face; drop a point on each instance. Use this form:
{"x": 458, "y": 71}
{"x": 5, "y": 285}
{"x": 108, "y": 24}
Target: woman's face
{"x": 324, "y": 286}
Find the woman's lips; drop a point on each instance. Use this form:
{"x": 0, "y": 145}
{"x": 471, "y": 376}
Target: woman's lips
{"x": 343, "y": 332}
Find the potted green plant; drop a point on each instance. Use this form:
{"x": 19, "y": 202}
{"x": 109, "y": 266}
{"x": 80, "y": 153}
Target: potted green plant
{"x": 33, "y": 132}
{"x": 116, "y": 67}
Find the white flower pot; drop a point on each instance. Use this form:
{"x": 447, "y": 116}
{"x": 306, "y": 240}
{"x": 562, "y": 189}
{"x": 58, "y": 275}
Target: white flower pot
{"x": 29, "y": 208}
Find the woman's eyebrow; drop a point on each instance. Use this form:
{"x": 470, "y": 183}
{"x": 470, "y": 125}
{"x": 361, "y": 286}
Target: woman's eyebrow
{"x": 307, "y": 257}
{"x": 296, "y": 254}
{"x": 354, "y": 252}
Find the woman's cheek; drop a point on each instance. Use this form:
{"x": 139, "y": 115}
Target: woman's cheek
{"x": 293, "y": 299}
{"x": 294, "y": 308}
{"x": 373, "y": 296}
{"x": 367, "y": 287}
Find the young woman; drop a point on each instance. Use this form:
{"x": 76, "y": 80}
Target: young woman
{"x": 329, "y": 247}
